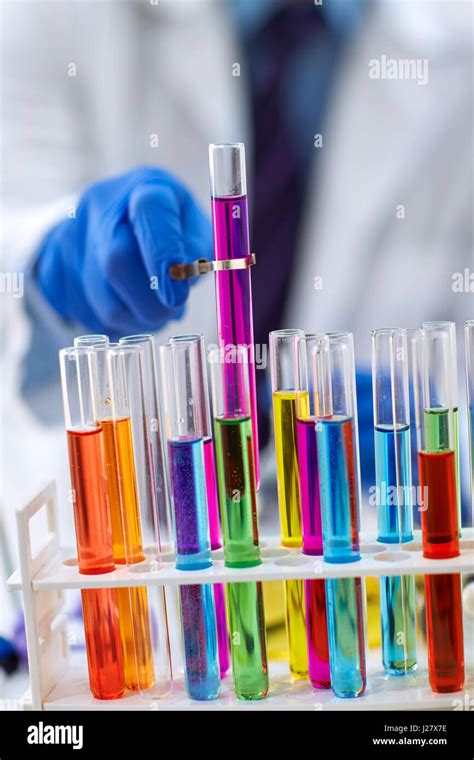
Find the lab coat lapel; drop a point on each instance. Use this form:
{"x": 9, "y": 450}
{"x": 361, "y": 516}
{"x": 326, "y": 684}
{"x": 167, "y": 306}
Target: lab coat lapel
{"x": 348, "y": 212}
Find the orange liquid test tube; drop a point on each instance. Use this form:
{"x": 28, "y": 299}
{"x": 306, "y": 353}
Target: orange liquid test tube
{"x": 127, "y": 546}
{"x": 92, "y": 523}
{"x": 125, "y": 517}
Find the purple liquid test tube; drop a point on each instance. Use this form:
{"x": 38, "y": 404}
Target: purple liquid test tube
{"x": 212, "y": 498}
{"x": 231, "y": 241}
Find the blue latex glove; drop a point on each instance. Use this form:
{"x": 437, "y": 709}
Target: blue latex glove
{"x": 97, "y": 269}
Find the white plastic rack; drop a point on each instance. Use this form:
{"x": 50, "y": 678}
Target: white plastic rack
{"x": 58, "y": 683}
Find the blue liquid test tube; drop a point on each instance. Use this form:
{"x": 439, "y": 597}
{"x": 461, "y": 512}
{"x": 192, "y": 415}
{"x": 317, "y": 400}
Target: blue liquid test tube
{"x": 183, "y": 385}
{"x": 339, "y": 481}
{"x": 394, "y": 493}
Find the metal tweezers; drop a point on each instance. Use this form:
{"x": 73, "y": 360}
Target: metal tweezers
{"x": 202, "y": 266}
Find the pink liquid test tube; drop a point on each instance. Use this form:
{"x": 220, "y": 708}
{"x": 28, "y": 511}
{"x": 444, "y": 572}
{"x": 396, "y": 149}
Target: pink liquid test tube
{"x": 231, "y": 242}
{"x": 315, "y": 591}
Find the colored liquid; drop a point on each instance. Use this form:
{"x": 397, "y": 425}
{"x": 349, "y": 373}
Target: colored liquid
{"x": 127, "y": 544}
{"x": 393, "y": 478}
{"x": 398, "y": 619}
{"x": 237, "y": 491}
{"x": 198, "y": 625}
{"x": 317, "y": 634}
{"x": 338, "y": 489}
{"x": 249, "y": 647}
{"x": 395, "y": 525}
{"x": 296, "y": 628}
{"x": 188, "y": 487}
{"x": 215, "y": 536}
{"x": 471, "y": 445}
{"x": 439, "y": 518}
{"x": 346, "y": 636}
{"x": 212, "y": 497}
{"x": 284, "y": 421}
{"x": 444, "y": 632}
{"x": 285, "y": 404}
{"x": 437, "y": 438}
{"x": 309, "y": 486}
{"x": 222, "y": 635}
{"x": 91, "y": 507}
{"x": 94, "y": 547}
{"x": 234, "y": 296}
{"x": 103, "y": 644}
{"x": 315, "y": 592}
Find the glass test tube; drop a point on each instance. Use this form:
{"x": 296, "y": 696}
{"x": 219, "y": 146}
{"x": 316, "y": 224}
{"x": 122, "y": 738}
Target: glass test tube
{"x": 231, "y": 241}
{"x": 183, "y": 385}
{"x": 469, "y": 346}
{"x": 437, "y": 419}
{"x": 394, "y": 493}
{"x": 315, "y": 591}
{"x": 339, "y": 479}
{"x": 212, "y": 499}
{"x": 436, "y": 405}
{"x": 157, "y": 519}
{"x": 289, "y": 386}
{"x": 92, "y": 520}
{"x": 155, "y": 436}
{"x": 145, "y": 623}
{"x": 238, "y": 498}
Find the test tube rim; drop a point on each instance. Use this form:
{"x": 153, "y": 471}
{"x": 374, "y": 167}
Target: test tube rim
{"x": 92, "y": 340}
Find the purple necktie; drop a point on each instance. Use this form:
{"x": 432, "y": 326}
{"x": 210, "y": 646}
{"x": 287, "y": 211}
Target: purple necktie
{"x": 279, "y": 172}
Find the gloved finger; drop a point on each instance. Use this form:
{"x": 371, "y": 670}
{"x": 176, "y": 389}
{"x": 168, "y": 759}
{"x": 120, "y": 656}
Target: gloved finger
{"x": 129, "y": 278}
{"x": 155, "y": 216}
{"x": 167, "y": 234}
{"x": 197, "y": 230}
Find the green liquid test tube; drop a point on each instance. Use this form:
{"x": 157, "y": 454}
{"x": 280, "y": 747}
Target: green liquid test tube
{"x": 238, "y": 504}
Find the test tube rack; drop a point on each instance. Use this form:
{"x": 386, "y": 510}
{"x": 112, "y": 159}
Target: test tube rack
{"x": 56, "y": 683}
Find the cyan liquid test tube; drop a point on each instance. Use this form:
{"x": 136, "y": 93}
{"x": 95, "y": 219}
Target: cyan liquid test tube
{"x": 394, "y": 493}
{"x": 238, "y": 500}
{"x": 339, "y": 481}
{"x": 315, "y": 591}
{"x": 182, "y": 382}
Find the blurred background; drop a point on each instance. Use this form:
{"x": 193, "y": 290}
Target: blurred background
{"x": 357, "y": 116}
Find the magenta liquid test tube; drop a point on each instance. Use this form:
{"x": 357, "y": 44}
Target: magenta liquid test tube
{"x": 231, "y": 241}
{"x": 315, "y": 591}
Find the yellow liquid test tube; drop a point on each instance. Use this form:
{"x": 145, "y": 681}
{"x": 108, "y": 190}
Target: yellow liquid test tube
{"x": 285, "y": 405}
{"x": 127, "y": 546}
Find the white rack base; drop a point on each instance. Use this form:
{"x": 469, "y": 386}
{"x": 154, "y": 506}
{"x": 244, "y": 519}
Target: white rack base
{"x": 56, "y": 683}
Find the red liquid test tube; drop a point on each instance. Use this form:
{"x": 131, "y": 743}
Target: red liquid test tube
{"x": 92, "y": 521}
{"x": 434, "y": 352}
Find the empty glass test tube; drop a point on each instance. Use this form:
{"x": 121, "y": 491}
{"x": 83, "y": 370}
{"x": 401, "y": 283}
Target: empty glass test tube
{"x": 147, "y": 623}
{"x": 78, "y": 369}
{"x": 436, "y": 418}
{"x": 394, "y": 492}
{"x": 183, "y": 384}
{"x": 238, "y": 499}
{"x": 289, "y": 389}
{"x": 339, "y": 480}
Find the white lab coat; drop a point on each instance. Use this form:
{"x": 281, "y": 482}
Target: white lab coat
{"x": 166, "y": 69}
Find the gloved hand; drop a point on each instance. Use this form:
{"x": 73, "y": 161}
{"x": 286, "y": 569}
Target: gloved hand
{"x": 107, "y": 269}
